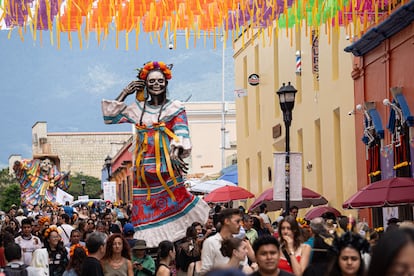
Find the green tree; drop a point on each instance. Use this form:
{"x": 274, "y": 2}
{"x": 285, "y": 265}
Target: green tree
{"x": 10, "y": 195}
{"x": 92, "y": 186}
{"x": 9, "y": 190}
{"x": 5, "y": 178}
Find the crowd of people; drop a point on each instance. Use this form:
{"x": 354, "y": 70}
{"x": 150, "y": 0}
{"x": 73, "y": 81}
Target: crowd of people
{"x": 99, "y": 240}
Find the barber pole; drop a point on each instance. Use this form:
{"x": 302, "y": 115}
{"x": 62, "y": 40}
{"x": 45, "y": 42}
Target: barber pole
{"x": 298, "y": 63}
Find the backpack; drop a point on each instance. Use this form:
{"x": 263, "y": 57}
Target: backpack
{"x": 16, "y": 270}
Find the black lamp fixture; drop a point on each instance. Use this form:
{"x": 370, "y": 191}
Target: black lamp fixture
{"x": 83, "y": 183}
{"x": 108, "y": 164}
{"x": 286, "y": 95}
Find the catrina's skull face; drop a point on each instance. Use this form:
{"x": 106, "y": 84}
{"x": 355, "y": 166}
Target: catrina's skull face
{"x": 46, "y": 166}
{"x": 156, "y": 83}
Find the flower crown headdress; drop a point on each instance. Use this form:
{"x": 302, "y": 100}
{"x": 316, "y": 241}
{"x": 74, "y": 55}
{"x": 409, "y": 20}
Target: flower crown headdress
{"x": 351, "y": 239}
{"x": 78, "y": 245}
{"x": 43, "y": 220}
{"x": 52, "y": 228}
{"x": 155, "y": 65}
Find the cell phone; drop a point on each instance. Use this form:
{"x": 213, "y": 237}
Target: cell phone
{"x": 200, "y": 235}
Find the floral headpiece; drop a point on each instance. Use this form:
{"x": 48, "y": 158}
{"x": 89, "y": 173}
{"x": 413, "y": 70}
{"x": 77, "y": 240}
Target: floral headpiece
{"x": 78, "y": 245}
{"x": 52, "y": 228}
{"x": 350, "y": 239}
{"x": 155, "y": 65}
{"x": 43, "y": 220}
{"x": 303, "y": 223}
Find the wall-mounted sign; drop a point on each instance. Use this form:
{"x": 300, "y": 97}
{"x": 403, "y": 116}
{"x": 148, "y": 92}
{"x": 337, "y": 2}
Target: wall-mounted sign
{"x": 277, "y": 131}
{"x": 240, "y": 92}
{"x": 253, "y": 79}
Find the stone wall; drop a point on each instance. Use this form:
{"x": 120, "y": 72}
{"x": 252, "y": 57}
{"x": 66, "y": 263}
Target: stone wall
{"x": 79, "y": 152}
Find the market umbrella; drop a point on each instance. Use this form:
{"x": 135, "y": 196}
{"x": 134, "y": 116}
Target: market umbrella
{"x": 230, "y": 174}
{"x": 388, "y": 192}
{"x": 319, "y": 211}
{"x": 228, "y": 193}
{"x": 309, "y": 198}
{"x": 206, "y": 187}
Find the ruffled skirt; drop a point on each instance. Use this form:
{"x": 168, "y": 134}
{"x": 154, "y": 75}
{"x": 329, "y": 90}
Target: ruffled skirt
{"x": 156, "y": 216}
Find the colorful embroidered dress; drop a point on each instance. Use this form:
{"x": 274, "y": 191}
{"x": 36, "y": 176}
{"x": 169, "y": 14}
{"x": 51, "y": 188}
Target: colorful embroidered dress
{"x": 162, "y": 207}
{"x": 37, "y": 188}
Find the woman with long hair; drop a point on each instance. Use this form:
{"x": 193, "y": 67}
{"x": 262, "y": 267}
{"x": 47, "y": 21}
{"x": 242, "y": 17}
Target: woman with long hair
{"x": 295, "y": 254}
{"x": 348, "y": 250}
{"x": 117, "y": 259}
{"x": 393, "y": 254}
{"x": 165, "y": 255}
{"x": 236, "y": 250}
{"x": 83, "y": 229}
{"x": 189, "y": 252}
{"x": 58, "y": 258}
{"x": 78, "y": 254}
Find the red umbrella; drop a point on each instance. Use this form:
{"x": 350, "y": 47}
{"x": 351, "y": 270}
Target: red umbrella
{"x": 383, "y": 193}
{"x": 319, "y": 211}
{"x": 228, "y": 193}
{"x": 309, "y": 198}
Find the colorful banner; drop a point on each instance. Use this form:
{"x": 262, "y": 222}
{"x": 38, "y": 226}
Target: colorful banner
{"x": 387, "y": 162}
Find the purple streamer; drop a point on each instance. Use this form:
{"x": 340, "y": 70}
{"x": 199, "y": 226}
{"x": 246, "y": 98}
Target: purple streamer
{"x": 266, "y": 19}
{"x": 17, "y": 12}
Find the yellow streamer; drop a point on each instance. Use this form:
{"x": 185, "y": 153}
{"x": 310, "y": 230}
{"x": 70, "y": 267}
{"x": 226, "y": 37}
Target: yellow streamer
{"x": 158, "y": 164}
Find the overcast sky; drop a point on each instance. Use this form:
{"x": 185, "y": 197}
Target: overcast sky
{"x": 64, "y": 86}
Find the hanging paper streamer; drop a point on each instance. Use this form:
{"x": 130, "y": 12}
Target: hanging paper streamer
{"x": 208, "y": 16}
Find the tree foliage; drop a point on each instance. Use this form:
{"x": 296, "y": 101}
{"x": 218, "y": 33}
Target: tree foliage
{"x": 92, "y": 186}
{"x": 10, "y": 195}
{"x": 9, "y": 190}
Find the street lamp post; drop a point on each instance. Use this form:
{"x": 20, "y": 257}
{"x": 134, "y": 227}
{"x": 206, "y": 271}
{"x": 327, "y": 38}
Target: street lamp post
{"x": 286, "y": 95}
{"x": 83, "y": 183}
{"x": 108, "y": 163}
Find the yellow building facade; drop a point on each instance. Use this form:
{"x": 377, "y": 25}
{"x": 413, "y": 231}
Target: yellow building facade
{"x": 322, "y": 129}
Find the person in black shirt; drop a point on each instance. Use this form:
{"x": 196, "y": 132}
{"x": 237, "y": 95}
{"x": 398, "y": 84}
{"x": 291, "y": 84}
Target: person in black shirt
{"x": 58, "y": 256}
{"x": 96, "y": 245}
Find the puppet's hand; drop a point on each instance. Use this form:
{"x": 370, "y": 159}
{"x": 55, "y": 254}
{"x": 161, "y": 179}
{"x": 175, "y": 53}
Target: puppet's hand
{"x": 134, "y": 86}
{"x": 17, "y": 165}
{"x": 178, "y": 163}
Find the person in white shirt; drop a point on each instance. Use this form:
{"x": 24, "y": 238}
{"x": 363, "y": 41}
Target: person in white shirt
{"x": 13, "y": 255}
{"x": 20, "y": 216}
{"x": 27, "y": 242}
{"x": 211, "y": 256}
{"x": 64, "y": 228}
{"x": 265, "y": 217}
{"x": 35, "y": 211}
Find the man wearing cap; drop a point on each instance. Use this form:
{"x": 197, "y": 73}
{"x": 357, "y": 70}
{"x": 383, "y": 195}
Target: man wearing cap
{"x": 129, "y": 234}
{"x": 143, "y": 264}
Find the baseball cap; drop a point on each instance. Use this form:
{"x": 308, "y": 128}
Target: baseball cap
{"x": 128, "y": 228}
